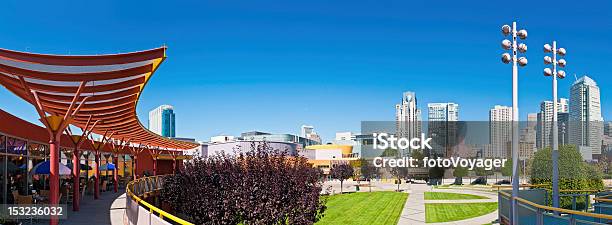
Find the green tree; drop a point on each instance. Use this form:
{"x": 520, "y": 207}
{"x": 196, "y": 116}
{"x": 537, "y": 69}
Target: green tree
{"x": 368, "y": 171}
{"x": 460, "y": 172}
{"x": 417, "y": 154}
{"x": 574, "y": 173}
{"x": 342, "y": 172}
{"x": 390, "y": 152}
{"x": 506, "y": 171}
{"x": 603, "y": 165}
{"x": 480, "y": 171}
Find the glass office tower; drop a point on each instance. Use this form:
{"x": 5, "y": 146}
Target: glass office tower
{"x": 161, "y": 121}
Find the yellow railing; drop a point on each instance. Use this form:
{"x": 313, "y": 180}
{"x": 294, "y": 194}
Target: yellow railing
{"x": 148, "y": 186}
{"x": 553, "y": 209}
{"x": 605, "y": 198}
{"x": 507, "y": 186}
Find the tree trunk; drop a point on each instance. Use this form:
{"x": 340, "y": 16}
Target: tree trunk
{"x": 341, "y": 186}
{"x": 398, "y": 183}
{"x": 370, "y": 184}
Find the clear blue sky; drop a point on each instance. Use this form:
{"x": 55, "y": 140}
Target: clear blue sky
{"x": 236, "y": 66}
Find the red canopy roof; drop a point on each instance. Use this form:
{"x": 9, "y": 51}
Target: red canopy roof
{"x": 113, "y": 84}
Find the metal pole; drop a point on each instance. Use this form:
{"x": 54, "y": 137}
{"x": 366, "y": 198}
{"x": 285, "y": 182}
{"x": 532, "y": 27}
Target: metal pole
{"x": 154, "y": 166}
{"x": 525, "y": 170}
{"x": 115, "y": 175}
{"x": 135, "y": 166}
{"x": 515, "y": 133}
{"x": 97, "y": 176}
{"x": 76, "y": 176}
{"x": 5, "y": 172}
{"x": 555, "y": 144}
{"x": 54, "y": 147}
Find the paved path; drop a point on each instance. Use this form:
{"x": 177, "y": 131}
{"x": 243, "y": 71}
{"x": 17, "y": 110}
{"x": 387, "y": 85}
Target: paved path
{"x": 94, "y": 212}
{"x": 460, "y": 201}
{"x": 414, "y": 209}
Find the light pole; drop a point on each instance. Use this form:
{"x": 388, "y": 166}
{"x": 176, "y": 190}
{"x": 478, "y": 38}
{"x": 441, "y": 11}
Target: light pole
{"x": 555, "y": 142}
{"x": 522, "y": 61}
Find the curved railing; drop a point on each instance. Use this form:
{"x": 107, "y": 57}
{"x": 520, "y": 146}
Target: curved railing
{"x": 139, "y": 211}
{"x": 603, "y": 203}
{"x": 534, "y": 213}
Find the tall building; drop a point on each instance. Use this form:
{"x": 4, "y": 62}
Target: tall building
{"x": 500, "y": 130}
{"x": 408, "y": 116}
{"x": 525, "y": 149}
{"x": 161, "y": 121}
{"x": 443, "y": 111}
{"x": 528, "y": 133}
{"x": 608, "y": 128}
{"x": 532, "y": 120}
{"x": 586, "y": 122}
{"x": 442, "y": 127}
{"x": 545, "y": 122}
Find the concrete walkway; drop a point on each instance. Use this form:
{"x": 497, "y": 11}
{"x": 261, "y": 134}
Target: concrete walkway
{"x": 414, "y": 209}
{"x": 106, "y": 210}
{"x": 460, "y": 201}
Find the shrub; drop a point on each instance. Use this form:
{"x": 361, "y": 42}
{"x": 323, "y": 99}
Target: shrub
{"x": 261, "y": 186}
{"x": 574, "y": 173}
{"x": 368, "y": 171}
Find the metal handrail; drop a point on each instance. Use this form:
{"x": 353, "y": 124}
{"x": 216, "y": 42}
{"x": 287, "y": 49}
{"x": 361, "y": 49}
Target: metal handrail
{"x": 561, "y": 210}
{"x": 605, "y": 198}
{"x": 150, "y": 185}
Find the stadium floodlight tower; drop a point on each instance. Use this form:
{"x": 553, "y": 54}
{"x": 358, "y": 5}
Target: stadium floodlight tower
{"x": 514, "y": 47}
{"x": 555, "y": 131}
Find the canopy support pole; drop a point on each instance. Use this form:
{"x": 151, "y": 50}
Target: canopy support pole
{"x": 55, "y": 125}
{"x": 77, "y": 140}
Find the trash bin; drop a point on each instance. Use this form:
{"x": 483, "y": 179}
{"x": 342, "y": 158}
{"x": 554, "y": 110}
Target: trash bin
{"x": 356, "y": 187}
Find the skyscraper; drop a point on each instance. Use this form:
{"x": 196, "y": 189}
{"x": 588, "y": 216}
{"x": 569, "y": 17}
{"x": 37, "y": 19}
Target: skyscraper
{"x": 608, "y": 128}
{"x": 532, "y": 119}
{"x": 545, "y": 118}
{"x": 586, "y": 122}
{"x": 443, "y": 111}
{"x": 500, "y": 130}
{"x": 161, "y": 121}
{"x": 442, "y": 126}
{"x": 408, "y": 116}
{"x": 527, "y": 136}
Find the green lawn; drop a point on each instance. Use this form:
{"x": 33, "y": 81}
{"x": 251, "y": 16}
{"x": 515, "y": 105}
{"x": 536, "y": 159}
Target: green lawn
{"x": 444, "y": 212}
{"x": 364, "y": 208}
{"x": 450, "y": 196}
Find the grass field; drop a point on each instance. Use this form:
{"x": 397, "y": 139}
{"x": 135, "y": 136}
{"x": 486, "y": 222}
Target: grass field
{"x": 445, "y": 212}
{"x": 364, "y": 208}
{"x": 450, "y": 196}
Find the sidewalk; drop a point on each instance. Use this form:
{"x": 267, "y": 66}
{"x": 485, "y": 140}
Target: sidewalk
{"x": 414, "y": 209}
{"x": 101, "y": 211}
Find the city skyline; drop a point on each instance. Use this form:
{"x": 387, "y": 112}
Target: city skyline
{"x": 332, "y": 65}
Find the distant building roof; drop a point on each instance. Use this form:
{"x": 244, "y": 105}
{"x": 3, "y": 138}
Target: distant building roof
{"x": 586, "y": 80}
